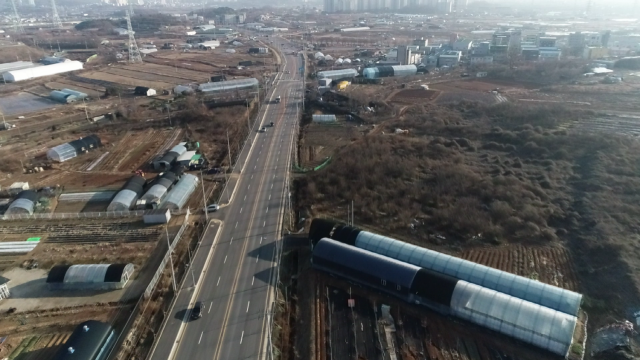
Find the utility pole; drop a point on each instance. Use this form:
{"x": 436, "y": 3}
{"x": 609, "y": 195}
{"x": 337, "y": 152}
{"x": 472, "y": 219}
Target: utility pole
{"x": 173, "y": 274}
{"x": 228, "y": 172}
{"x": 57, "y": 23}
{"x": 134, "y": 52}
{"x": 204, "y": 198}
{"x": 17, "y": 24}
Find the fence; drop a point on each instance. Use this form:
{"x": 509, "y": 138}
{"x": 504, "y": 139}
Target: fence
{"x": 165, "y": 260}
{"x": 85, "y": 215}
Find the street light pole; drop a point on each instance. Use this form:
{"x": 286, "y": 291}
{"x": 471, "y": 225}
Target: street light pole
{"x": 204, "y": 198}
{"x": 173, "y": 274}
{"x": 229, "y": 152}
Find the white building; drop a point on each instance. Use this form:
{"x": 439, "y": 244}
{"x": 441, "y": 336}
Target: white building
{"x": 449, "y": 58}
{"x": 480, "y": 59}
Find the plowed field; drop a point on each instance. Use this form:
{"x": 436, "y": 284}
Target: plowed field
{"x": 551, "y": 265}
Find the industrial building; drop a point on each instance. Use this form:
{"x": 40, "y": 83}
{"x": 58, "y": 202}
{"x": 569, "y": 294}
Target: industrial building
{"x": 166, "y": 161}
{"x": 127, "y": 196}
{"x": 180, "y": 193}
{"x": 40, "y": 71}
{"x": 24, "y": 204}
{"x": 531, "y": 323}
{"x": 89, "y": 276}
{"x": 91, "y": 340}
{"x": 231, "y": 85}
{"x": 74, "y": 148}
{"x": 546, "y": 295}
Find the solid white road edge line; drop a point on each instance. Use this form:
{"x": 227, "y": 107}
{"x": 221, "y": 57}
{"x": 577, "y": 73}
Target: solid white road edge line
{"x": 198, "y": 288}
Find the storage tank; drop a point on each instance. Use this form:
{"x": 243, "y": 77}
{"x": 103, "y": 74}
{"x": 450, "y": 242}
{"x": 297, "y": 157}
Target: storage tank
{"x": 389, "y": 71}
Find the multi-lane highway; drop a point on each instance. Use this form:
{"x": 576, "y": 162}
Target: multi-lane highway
{"x": 236, "y": 270}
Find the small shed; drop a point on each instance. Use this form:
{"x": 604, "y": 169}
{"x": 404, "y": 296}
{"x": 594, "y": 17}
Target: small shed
{"x": 89, "y": 277}
{"x": 18, "y": 187}
{"x": 185, "y": 159}
{"x": 144, "y": 91}
{"x": 158, "y": 216}
{"x": 4, "y": 288}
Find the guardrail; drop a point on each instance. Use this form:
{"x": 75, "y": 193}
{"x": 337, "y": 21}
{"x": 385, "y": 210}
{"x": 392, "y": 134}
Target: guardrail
{"x": 85, "y": 215}
{"x": 166, "y": 259}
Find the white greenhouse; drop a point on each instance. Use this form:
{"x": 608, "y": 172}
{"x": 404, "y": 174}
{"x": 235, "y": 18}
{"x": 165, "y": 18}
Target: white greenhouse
{"x": 323, "y": 118}
{"x": 40, "y": 71}
{"x": 89, "y": 277}
{"x": 337, "y": 74}
{"x": 231, "y": 85}
{"x": 520, "y": 287}
{"x": 180, "y": 193}
{"x": 534, "y": 324}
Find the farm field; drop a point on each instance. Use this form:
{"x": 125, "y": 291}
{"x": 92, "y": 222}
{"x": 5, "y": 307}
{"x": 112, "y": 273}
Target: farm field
{"x": 321, "y": 140}
{"x": 413, "y": 96}
{"x": 551, "y": 265}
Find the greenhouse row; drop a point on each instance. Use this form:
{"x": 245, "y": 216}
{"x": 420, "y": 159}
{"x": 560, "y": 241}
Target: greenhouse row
{"x": 536, "y": 313}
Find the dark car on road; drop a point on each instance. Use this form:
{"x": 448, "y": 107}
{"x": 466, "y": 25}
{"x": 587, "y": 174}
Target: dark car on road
{"x": 196, "y": 313}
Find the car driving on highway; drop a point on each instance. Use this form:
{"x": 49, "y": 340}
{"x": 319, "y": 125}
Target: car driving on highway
{"x": 213, "y": 208}
{"x": 196, "y": 313}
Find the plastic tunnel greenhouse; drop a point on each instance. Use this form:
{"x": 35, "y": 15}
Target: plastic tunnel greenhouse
{"x": 537, "y": 292}
{"x": 73, "y": 148}
{"x": 158, "y": 190}
{"x": 180, "y": 193}
{"x": 89, "y": 277}
{"x": 337, "y": 74}
{"x": 126, "y": 198}
{"x": 231, "y": 85}
{"x": 24, "y": 203}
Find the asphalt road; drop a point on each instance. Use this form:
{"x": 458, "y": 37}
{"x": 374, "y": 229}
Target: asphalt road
{"x": 236, "y": 278}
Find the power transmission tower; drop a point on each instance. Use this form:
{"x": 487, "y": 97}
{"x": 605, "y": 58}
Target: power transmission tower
{"x": 134, "y": 52}
{"x": 17, "y": 25}
{"x": 588, "y": 7}
{"x": 131, "y": 7}
{"x": 57, "y": 23}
